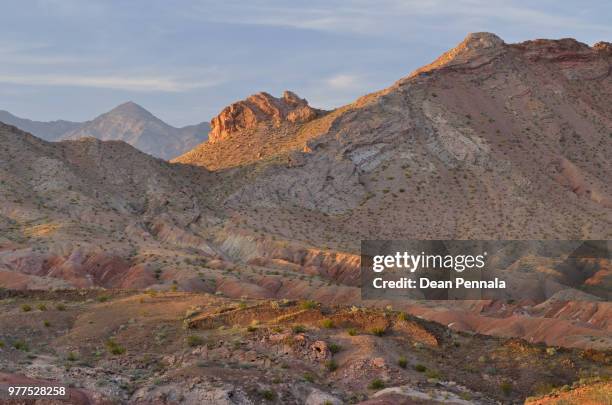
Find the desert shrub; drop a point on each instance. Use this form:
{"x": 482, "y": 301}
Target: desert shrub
{"x": 298, "y": 329}
{"x": 431, "y": 373}
{"x": 72, "y": 356}
{"x": 41, "y": 307}
{"x": 376, "y": 384}
{"x": 21, "y": 345}
{"x": 334, "y": 348}
{"x": 506, "y": 387}
{"x": 114, "y": 347}
{"x": 327, "y": 323}
{"x": 402, "y": 316}
{"x": 309, "y": 304}
{"x": 378, "y": 331}
{"x": 420, "y": 368}
{"x": 331, "y": 365}
{"x": 268, "y": 395}
{"x": 309, "y": 377}
{"x": 26, "y": 308}
{"x": 194, "y": 341}
{"x": 47, "y": 324}
{"x": 103, "y": 298}
{"x": 351, "y": 331}
{"x": 60, "y": 307}
{"x": 402, "y": 362}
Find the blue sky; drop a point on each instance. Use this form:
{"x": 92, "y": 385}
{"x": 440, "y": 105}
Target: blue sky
{"x": 186, "y": 60}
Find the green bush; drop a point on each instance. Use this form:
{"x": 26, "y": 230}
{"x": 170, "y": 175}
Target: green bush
{"x": 376, "y": 384}
{"x": 114, "y": 347}
{"x": 351, "y": 331}
{"x": 60, "y": 307}
{"x": 420, "y": 368}
{"x": 331, "y": 365}
{"x": 378, "y": 331}
{"x": 41, "y": 307}
{"x": 298, "y": 329}
{"x": 334, "y": 348}
{"x": 402, "y": 362}
{"x": 327, "y": 323}
{"x": 21, "y": 345}
{"x": 194, "y": 341}
{"x": 309, "y": 304}
{"x": 268, "y": 395}
{"x": 506, "y": 388}
{"x": 26, "y": 308}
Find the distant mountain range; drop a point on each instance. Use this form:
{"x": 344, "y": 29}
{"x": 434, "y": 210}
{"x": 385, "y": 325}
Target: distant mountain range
{"x": 128, "y": 122}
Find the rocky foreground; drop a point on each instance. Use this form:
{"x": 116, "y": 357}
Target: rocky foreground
{"x": 170, "y": 348}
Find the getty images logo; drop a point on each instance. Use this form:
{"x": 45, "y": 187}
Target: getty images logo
{"x": 412, "y": 262}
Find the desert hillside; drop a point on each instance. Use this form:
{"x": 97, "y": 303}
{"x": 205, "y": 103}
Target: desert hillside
{"x": 249, "y": 241}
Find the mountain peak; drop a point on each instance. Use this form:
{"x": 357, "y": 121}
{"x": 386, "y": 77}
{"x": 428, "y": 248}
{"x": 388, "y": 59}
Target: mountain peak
{"x": 261, "y": 108}
{"x": 132, "y": 109}
{"x": 473, "y": 49}
{"x": 481, "y": 40}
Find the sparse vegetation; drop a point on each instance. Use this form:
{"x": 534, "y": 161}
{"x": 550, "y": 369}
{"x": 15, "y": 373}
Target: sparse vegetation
{"x": 308, "y": 304}
{"x": 331, "y": 365}
{"x": 194, "y": 341}
{"x": 351, "y": 331}
{"x": 378, "y": 331}
{"x": 268, "y": 395}
{"x": 334, "y": 348}
{"x": 506, "y": 387}
{"x": 327, "y": 323}
{"x": 114, "y": 347}
{"x": 376, "y": 384}
{"x": 26, "y": 308}
{"x": 21, "y": 345}
{"x": 298, "y": 329}
{"x": 402, "y": 362}
{"x": 420, "y": 368}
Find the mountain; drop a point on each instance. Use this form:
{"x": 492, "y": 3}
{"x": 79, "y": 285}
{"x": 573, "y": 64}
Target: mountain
{"x": 128, "y": 122}
{"x": 131, "y": 123}
{"x": 490, "y": 141}
{"x": 49, "y": 131}
{"x": 248, "y": 246}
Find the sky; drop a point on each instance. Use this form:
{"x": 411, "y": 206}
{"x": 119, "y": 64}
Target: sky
{"x": 184, "y": 60}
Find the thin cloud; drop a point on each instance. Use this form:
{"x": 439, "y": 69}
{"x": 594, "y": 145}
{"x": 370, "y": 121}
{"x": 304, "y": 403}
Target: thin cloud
{"x": 143, "y": 84}
{"x": 382, "y": 17}
{"x": 344, "y": 82}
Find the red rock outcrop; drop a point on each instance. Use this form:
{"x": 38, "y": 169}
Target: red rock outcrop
{"x": 261, "y": 108}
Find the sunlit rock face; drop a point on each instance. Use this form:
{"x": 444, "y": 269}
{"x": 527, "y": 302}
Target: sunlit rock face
{"x": 260, "y": 108}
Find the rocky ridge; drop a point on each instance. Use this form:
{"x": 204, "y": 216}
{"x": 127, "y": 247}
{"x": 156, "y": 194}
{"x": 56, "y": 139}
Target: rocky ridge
{"x": 261, "y": 108}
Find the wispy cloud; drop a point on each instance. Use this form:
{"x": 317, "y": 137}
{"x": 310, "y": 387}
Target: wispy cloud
{"x": 382, "y": 17}
{"x": 344, "y": 81}
{"x": 131, "y": 83}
